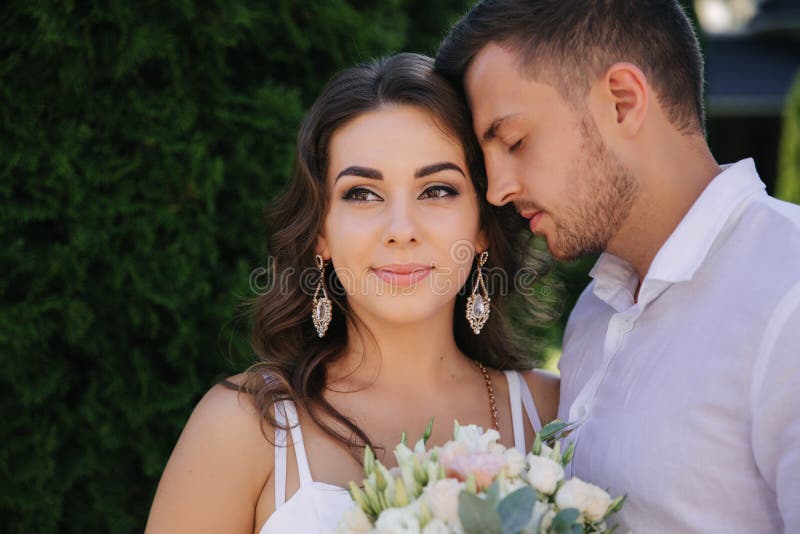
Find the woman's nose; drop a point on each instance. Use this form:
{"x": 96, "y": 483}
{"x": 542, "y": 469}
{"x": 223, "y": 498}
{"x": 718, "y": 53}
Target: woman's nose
{"x": 401, "y": 227}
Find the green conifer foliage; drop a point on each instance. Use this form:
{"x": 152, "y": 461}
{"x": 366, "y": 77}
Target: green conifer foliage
{"x": 140, "y": 142}
{"x": 787, "y": 186}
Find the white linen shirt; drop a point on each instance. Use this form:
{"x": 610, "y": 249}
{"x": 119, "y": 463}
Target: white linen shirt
{"x": 688, "y": 400}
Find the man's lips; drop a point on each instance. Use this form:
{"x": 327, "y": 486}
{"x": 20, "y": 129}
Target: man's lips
{"x": 533, "y": 217}
{"x": 403, "y": 275}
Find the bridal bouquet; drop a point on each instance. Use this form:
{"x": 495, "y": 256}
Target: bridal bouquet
{"x": 473, "y": 484}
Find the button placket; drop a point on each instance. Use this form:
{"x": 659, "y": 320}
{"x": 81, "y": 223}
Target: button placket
{"x": 619, "y": 325}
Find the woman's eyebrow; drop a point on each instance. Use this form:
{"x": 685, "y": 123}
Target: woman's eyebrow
{"x": 363, "y": 172}
{"x": 437, "y": 167}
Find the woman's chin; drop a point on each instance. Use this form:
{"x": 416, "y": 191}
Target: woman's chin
{"x": 405, "y": 311}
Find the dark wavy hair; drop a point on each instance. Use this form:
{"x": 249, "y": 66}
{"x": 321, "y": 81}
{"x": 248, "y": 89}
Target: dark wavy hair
{"x": 571, "y": 43}
{"x": 292, "y": 359}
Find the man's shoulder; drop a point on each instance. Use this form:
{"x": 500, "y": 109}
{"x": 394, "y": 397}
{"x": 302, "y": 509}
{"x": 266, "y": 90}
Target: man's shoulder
{"x": 767, "y": 238}
{"x": 780, "y": 209}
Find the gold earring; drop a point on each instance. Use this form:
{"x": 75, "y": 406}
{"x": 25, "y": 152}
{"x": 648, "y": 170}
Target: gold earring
{"x": 321, "y": 309}
{"x": 478, "y": 307}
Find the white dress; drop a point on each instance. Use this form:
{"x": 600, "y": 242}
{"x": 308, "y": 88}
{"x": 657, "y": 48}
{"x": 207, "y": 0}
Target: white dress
{"x": 318, "y": 507}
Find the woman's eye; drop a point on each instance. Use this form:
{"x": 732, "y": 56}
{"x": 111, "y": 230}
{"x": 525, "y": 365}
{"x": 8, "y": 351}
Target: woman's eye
{"x": 360, "y": 194}
{"x": 438, "y": 191}
{"x": 515, "y": 146}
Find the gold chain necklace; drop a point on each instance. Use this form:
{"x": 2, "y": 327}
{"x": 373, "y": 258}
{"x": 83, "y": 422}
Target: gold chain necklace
{"x": 490, "y": 389}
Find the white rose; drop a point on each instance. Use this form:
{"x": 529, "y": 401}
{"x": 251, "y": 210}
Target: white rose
{"x": 436, "y": 526}
{"x": 475, "y": 438}
{"x": 592, "y": 501}
{"x": 515, "y": 462}
{"x": 442, "y": 498}
{"x": 498, "y": 448}
{"x": 599, "y": 503}
{"x": 355, "y": 521}
{"x": 399, "y": 521}
{"x": 544, "y": 474}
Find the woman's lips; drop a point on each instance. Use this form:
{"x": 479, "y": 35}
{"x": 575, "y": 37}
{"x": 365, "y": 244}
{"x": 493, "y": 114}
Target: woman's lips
{"x": 403, "y": 275}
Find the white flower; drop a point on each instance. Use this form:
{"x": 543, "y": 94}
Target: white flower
{"x": 475, "y": 438}
{"x": 592, "y": 501}
{"x": 399, "y": 520}
{"x": 355, "y": 521}
{"x": 498, "y": 448}
{"x": 510, "y": 485}
{"x": 442, "y": 498}
{"x": 544, "y": 474}
{"x": 547, "y": 520}
{"x": 541, "y": 518}
{"x": 515, "y": 462}
{"x": 599, "y": 503}
{"x": 436, "y": 526}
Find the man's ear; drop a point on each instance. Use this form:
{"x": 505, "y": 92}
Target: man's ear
{"x": 626, "y": 93}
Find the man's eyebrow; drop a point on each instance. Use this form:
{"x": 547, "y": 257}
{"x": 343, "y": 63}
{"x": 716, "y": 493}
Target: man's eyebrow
{"x": 491, "y": 131}
{"x": 363, "y": 172}
{"x": 427, "y": 170}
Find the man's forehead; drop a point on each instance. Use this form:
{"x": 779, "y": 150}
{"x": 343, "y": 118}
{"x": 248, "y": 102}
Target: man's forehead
{"x": 486, "y": 84}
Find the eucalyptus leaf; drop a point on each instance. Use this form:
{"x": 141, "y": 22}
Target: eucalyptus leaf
{"x": 478, "y": 516}
{"x": 493, "y": 493}
{"x": 551, "y": 430}
{"x": 565, "y": 520}
{"x": 516, "y": 509}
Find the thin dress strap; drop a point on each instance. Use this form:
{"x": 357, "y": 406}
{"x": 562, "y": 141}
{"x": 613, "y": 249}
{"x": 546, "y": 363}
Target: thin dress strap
{"x": 530, "y": 406}
{"x": 285, "y": 412}
{"x": 516, "y": 410}
{"x": 303, "y": 470}
{"x": 280, "y": 455}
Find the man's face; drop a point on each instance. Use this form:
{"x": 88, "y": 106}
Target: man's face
{"x": 546, "y": 157}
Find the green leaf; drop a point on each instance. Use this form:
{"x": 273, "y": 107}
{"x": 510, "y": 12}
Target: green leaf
{"x": 565, "y": 520}
{"x": 567, "y": 458}
{"x": 369, "y": 460}
{"x": 616, "y": 506}
{"x": 493, "y": 493}
{"x": 516, "y": 509}
{"x": 478, "y": 516}
{"x": 551, "y": 430}
{"x": 428, "y": 431}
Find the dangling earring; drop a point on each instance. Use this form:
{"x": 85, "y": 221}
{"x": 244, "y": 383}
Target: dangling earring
{"x": 478, "y": 303}
{"x": 321, "y": 306}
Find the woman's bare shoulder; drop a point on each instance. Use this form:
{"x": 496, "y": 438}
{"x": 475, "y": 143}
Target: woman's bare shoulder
{"x": 545, "y": 388}
{"x": 218, "y": 467}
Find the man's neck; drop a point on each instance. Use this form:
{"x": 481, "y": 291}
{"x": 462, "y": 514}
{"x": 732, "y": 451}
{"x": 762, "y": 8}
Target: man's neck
{"x": 668, "y": 192}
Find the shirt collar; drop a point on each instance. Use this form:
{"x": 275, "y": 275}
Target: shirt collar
{"x": 615, "y": 280}
{"x": 687, "y": 247}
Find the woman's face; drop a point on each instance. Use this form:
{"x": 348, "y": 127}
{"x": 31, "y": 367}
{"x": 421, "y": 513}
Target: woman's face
{"x": 403, "y": 220}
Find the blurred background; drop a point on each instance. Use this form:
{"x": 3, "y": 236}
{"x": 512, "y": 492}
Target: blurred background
{"x": 140, "y": 143}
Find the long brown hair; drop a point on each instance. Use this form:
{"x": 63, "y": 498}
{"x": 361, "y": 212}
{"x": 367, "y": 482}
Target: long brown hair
{"x": 292, "y": 359}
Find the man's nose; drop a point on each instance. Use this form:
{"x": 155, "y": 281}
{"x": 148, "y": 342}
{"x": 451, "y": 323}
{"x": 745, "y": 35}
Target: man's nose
{"x": 504, "y": 185}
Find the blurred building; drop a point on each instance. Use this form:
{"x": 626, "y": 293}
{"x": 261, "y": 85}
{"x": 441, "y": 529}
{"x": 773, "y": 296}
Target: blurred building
{"x": 752, "y": 51}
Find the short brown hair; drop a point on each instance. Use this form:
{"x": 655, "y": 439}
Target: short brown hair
{"x": 571, "y": 43}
